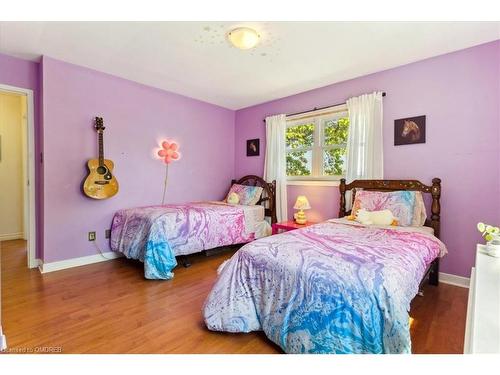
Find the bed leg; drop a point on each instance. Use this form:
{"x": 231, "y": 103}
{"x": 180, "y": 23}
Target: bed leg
{"x": 434, "y": 274}
{"x": 185, "y": 261}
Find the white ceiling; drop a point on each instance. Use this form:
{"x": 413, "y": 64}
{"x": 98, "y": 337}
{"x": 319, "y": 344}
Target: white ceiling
{"x": 196, "y": 60}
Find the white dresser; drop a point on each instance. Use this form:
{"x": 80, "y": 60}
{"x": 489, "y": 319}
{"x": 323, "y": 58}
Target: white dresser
{"x": 482, "y": 330}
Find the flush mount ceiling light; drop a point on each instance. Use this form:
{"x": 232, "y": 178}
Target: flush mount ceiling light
{"x": 243, "y": 37}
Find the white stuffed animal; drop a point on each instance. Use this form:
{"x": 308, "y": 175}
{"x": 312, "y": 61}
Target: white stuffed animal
{"x": 233, "y": 198}
{"x": 384, "y": 217}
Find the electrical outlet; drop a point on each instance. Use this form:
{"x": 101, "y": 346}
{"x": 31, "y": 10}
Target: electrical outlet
{"x": 107, "y": 233}
{"x": 91, "y": 236}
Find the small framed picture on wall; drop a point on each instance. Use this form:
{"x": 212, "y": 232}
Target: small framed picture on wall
{"x": 410, "y": 130}
{"x": 253, "y": 147}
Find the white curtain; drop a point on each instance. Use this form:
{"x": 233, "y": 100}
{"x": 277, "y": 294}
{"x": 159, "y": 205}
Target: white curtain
{"x": 365, "y": 155}
{"x": 275, "y": 161}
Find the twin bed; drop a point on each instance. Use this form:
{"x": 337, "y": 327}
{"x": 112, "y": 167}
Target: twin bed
{"x": 334, "y": 287}
{"x": 156, "y": 235}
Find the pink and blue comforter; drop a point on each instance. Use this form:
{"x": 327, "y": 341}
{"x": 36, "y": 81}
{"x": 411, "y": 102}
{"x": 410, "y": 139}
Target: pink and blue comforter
{"x": 329, "y": 288}
{"x": 155, "y": 235}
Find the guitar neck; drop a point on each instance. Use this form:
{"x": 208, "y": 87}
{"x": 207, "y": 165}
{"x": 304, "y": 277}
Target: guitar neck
{"x": 101, "y": 149}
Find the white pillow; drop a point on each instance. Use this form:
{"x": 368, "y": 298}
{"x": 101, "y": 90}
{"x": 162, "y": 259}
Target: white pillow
{"x": 384, "y": 217}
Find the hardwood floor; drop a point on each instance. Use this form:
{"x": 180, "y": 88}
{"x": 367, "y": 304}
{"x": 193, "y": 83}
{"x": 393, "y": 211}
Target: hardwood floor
{"x": 110, "y": 308}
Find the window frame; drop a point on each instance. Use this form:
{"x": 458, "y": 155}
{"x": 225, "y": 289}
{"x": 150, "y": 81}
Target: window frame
{"x": 318, "y": 118}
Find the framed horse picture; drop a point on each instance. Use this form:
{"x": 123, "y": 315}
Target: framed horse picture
{"x": 253, "y": 147}
{"x": 410, "y": 130}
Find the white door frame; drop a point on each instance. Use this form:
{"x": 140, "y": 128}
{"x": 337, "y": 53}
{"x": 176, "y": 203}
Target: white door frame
{"x": 32, "y": 261}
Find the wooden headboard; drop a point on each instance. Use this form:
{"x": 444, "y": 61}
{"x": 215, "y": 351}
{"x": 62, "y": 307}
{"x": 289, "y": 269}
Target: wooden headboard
{"x": 268, "y": 194}
{"x": 393, "y": 185}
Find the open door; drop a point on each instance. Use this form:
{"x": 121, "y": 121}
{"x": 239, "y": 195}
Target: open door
{"x": 21, "y": 166}
{"x": 26, "y": 228}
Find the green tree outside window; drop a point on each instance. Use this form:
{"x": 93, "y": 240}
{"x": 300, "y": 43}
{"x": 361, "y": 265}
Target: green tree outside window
{"x": 300, "y": 146}
{"x": 335, "y": 134}
{"x": 298, "y": 162}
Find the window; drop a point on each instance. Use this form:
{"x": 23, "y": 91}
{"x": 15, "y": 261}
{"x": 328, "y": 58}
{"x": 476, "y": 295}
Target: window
{"x": 316, "y": 146}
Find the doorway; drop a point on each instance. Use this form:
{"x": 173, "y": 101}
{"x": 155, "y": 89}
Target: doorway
{"x": 17, "y": 169}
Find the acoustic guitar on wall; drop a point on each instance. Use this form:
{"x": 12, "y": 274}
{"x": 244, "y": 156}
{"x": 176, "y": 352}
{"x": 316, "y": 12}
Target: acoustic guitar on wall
{"x": 100, "y": 182}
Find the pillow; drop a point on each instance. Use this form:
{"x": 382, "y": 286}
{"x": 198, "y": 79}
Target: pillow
{"x": 384, "y": 217}
{"x": 233, "y": 198}
{"x": 248, "y": 195}
{"x": 419, "y": 213}
{"x": 400, "y": 203}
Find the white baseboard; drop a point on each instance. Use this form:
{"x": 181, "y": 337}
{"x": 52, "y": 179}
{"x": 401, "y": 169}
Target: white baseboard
{"x": 11, "y": 236}
{"x": 448, "y": 278}
{"x": 77, "y": 262}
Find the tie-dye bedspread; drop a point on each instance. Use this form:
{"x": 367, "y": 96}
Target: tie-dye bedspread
{"x": 155, "y": 235}
{"x": 328, "y": 288}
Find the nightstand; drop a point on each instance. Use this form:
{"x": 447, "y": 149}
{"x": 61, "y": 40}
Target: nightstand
{"x": 285, "y": 226}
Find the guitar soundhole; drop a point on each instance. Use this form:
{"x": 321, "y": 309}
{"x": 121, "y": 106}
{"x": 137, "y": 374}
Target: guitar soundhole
{"x": 102, "y": 170}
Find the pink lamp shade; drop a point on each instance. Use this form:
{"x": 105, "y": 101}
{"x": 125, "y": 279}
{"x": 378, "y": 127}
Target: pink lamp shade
{"x": 169, "y": 152}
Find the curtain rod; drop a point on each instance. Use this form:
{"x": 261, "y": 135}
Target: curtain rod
{"x": 317, "y": 109}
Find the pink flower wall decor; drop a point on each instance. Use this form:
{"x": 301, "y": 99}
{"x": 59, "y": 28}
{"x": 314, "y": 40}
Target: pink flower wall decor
{"x": 169, "y": 152}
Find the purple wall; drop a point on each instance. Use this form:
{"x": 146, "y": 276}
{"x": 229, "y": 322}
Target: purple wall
{"x": 460, "y": 95}
{"x": 25, "y": 74}
{"x": 136, "y": 118}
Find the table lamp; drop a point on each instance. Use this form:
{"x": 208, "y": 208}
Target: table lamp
{"x": 301, "y": 204}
